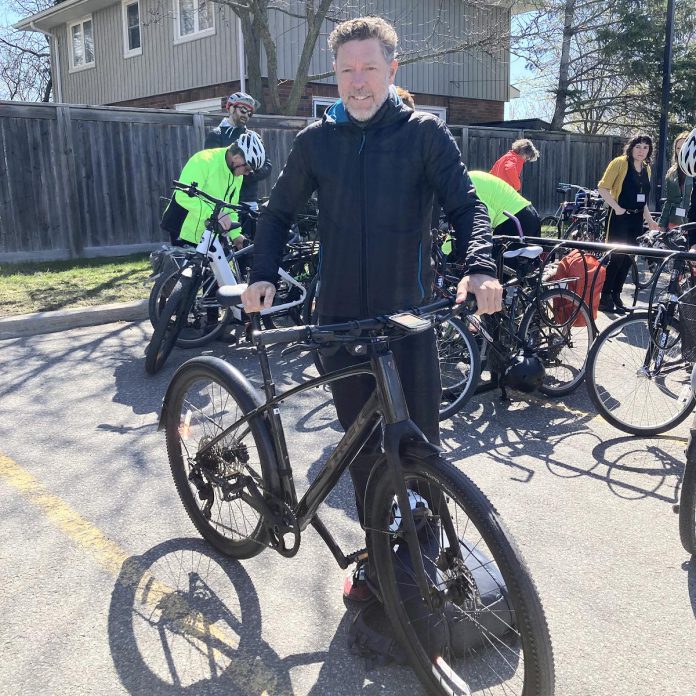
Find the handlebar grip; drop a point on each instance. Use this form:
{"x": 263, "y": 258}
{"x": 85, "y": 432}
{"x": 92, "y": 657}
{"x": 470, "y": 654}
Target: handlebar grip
{"x": 271, "y": 336}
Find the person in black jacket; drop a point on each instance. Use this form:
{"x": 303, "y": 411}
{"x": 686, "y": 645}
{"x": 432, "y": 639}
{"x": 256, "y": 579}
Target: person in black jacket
{"x": 240, "y": 107}
{"x": 376, "y": 165}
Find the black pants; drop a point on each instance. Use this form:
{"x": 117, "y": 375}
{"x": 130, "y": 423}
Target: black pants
{"x": 622, "y": 229}
{"x": 529, "y": 221}
{"x": 417, "y": 362}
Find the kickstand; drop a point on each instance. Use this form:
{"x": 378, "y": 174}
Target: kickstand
{"x": 504, "y": 395}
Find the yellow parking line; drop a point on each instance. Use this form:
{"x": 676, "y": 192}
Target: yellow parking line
{"x": 112, "y": 558}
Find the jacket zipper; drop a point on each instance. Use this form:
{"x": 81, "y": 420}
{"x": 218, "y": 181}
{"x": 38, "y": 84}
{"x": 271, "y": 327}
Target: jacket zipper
{"x": 364, "y": 306}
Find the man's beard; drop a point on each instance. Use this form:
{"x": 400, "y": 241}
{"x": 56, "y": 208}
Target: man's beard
{"x": 363, "y": 116}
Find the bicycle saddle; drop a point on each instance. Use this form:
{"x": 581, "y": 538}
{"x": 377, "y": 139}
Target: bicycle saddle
{"x": 528, "y": 252}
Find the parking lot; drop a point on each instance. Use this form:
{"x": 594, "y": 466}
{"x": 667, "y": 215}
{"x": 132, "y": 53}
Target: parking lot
{"x": 107, "y": 589}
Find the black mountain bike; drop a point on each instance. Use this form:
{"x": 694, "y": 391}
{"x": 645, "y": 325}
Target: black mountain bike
{"x": 453, "y": 584}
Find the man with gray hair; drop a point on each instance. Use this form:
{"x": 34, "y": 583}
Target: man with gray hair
{"x": 377, "y": 166}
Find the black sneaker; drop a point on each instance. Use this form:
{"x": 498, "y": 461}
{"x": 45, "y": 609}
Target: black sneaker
{"x": 606, "y": 304}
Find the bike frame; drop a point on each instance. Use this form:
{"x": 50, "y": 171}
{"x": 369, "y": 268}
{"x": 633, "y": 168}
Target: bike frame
{"x": 386, "y": 406}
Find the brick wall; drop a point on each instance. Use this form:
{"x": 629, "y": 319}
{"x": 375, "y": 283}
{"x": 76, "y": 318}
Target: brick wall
{"x": 460, "y": 111}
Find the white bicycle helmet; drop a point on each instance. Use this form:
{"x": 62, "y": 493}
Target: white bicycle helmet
{"x": 687, "y": 155}
{"x": 250, "y": 144}
{"x": 242, "y": 99}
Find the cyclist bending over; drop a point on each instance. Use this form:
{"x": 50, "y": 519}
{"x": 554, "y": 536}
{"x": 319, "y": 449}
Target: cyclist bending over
{"x": 220, "y": 173}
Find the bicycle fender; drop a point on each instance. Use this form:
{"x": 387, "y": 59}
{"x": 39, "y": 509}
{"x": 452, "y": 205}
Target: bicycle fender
{"x": 247, "y": 396}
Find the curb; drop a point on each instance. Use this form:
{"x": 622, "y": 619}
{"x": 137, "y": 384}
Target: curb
{"x": 64, "y": 319}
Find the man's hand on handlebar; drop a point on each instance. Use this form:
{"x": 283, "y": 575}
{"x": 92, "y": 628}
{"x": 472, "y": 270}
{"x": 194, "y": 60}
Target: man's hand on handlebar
{"x": 258, "y": 296}
{"x": 488, "y": 292}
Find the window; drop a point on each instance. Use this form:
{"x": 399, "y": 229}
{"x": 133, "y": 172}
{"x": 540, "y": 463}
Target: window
{"x": 81, "y": 44}
{"x": 439, "y": 111}
{"x": 131, "y": 28}
{"x": 194, "y": 19}
{"x": 200, "y": 106}
{"x": 320, "y": 105}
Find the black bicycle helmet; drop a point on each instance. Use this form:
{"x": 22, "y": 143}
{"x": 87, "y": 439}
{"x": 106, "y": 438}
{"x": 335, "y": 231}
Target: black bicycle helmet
{"x": 525, "y": 373}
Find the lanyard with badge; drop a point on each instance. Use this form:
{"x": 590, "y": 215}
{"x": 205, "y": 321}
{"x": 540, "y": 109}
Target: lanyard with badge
{"x": 640, "y": 196}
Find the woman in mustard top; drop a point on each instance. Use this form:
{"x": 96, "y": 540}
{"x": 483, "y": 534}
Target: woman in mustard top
{"x": 625, "y": 187}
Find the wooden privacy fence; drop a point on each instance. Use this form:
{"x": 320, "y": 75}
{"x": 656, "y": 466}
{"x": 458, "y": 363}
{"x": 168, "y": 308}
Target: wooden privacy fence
{"x": 89, "y": 181}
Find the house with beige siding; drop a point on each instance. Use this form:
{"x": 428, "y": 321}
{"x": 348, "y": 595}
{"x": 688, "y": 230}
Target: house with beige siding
{"x": 187, "y": 54}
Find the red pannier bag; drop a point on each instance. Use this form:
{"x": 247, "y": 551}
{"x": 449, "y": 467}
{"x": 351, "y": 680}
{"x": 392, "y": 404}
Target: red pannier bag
{"x": 580, "y": 269}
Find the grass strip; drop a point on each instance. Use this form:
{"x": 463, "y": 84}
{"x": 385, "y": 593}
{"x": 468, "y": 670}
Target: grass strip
{"x": 51, "y": 285}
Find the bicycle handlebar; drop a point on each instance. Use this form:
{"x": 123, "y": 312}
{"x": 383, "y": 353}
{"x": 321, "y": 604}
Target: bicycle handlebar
{"x": 351, "y": 331}
{"x": 192, "y": 191}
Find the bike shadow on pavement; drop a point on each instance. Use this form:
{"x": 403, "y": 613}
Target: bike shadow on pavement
{"x": 635, "y": 468}
{"x": 184, "y": 619}
{"x": 509, "y": 433}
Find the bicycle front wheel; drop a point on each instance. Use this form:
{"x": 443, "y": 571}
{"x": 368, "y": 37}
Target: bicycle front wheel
{"x": 561, "y": 344}
{"x": 486, "y": 631}
{"x": 637, "y": 378}
{"x": 205, "y": 397}
{"x": 460, "y": 365}
{"x": 169, "y": 325}
{"x": 159, "y": 294}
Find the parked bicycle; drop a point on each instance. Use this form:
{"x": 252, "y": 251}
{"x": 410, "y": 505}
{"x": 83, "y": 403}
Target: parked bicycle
{"x": 637, "y": 374}
{"x": 191, "y": 312}
{"x": 581, "y": 219}
{"x": 453, "y": 583}
{"x": 540, "y": 339}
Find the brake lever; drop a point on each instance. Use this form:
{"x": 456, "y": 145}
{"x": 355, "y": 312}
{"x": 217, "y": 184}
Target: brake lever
{"x": 297, "y": 348}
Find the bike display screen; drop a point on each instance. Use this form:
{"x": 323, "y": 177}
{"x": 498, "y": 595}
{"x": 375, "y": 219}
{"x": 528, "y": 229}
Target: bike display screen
{"x": 409, "y": 321}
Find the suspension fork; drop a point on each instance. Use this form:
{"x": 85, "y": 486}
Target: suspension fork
{"x": 658, "y": 336}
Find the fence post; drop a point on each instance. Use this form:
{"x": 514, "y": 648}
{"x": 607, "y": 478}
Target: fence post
{"x": 565, "y": 166}
{"x": 465, "y": 145}
{"x": 199, "y": 129}
{"x": 66, "y": 164}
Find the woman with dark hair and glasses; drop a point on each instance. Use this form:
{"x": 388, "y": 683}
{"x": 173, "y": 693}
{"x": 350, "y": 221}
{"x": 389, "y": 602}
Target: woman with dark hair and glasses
{"x": 625, "y": 187}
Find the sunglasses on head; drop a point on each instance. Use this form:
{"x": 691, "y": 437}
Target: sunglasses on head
{"x": 244, "y": 110}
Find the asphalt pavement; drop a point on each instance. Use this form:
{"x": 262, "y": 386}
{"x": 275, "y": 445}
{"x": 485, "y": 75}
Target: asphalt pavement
{"x": 107, "y": 588}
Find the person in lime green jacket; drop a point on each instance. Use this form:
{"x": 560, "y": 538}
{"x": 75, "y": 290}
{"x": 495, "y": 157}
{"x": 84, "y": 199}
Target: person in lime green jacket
{"x": 220, "y": 173}
{"x": 499, "y": 197}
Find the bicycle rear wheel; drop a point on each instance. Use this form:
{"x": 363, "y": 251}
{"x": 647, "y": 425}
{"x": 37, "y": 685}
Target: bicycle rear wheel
{"x": 637, "y": 378}
{"x": 561, "y": 344}
{"x": 169, "y": 325}
{"x": 205, "y": 397}
{"x": 486, "y": 632}
{"x": 460, "y": 365}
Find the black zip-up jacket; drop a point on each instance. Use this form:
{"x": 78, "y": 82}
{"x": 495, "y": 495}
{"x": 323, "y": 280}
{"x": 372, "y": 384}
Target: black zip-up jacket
{"x": 223, "y": 136}
{"x": 375, "y": 185}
